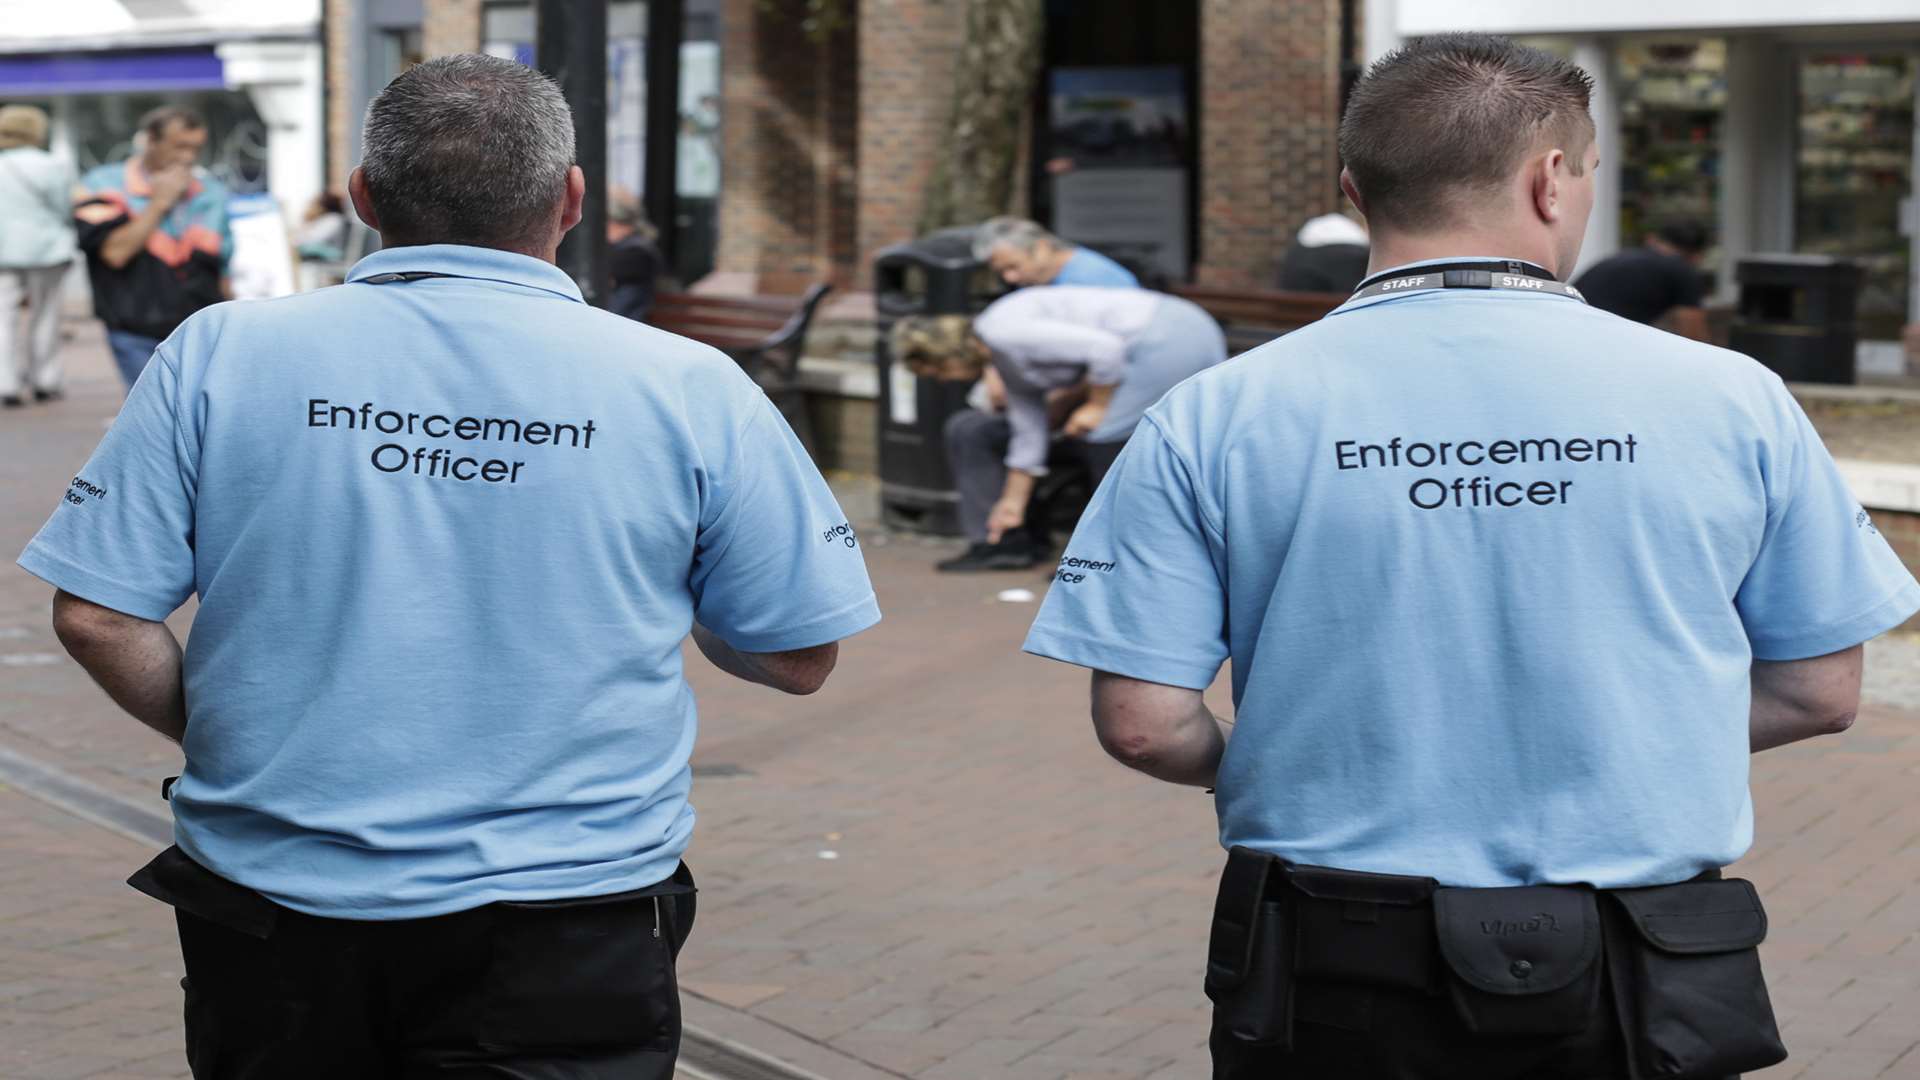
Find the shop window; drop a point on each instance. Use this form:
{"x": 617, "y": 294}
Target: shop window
{"x": 101, "y": 129}
{"x": 1854, "y": 171}
{"x": 508, "y": 30}
{"x": 1673, "y": 99}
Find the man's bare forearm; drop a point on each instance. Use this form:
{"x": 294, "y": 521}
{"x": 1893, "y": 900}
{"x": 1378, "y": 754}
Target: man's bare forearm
{"x": 125, "y": 242}
{"x": 1166, "y": 732}
{"x": 137, "y": 662}
{"x": 1801, "y": 699}
{"x": 801, "y": 671}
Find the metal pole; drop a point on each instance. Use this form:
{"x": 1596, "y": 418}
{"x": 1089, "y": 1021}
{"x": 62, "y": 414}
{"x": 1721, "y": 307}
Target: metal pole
{"x": 666, "y": 21}
{"x": 571, "y": 45}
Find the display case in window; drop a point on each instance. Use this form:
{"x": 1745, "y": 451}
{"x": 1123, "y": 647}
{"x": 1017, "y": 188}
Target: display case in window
{"x": 1673, "y": 99}
{"x": 1854, "y": 169}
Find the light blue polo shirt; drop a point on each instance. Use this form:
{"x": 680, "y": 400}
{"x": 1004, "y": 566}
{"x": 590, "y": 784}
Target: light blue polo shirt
{"x": 448, "y": 536}
{"x": 1088, "y": 267}
{"x": 1492, "y": 568}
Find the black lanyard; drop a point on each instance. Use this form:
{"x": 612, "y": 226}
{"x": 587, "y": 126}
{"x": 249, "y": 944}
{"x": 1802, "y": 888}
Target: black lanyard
{"x": 410, "y": 275}
{"x": 1510, "y": 274}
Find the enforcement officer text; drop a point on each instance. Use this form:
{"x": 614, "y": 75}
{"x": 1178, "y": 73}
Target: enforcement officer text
{"x": 1434, "y": 493}
{"x": 437, "y": 462}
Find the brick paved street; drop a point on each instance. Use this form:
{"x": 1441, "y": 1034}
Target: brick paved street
{"x": 928, "y": 870}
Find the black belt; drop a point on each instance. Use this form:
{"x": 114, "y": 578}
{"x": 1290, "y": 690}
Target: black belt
{"x": 1681, "y": 959}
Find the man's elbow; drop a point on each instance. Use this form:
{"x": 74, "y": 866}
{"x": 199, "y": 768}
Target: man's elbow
{"x": 1135, "y": 745}
{"x": 80, "y": 626}
{"x": 806, "y": 671}
{"x": 1833, "y": 721}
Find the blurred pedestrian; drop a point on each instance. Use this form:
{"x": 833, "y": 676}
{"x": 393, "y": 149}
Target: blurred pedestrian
{"x": 1512, "y": 590}
{"x": 156, "y": 234}
{"x": 633, "y": 258}
{"x": 1328, "y": 255}
{"x": 1022, "y": 252}
{"x": 1659, "y": 281}
{"x": 449, "y": 528}
{"x": 1114, "y": 350}
{"x": 36, "y": 251}
{"x": 322, "y": 235}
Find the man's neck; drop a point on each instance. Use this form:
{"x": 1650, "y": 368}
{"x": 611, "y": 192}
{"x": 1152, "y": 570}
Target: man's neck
{"x": 1391, "y": 250}
{"x": 544, "y": 254}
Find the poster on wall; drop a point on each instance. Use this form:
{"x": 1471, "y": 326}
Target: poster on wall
{"x": 1117, "y": 148}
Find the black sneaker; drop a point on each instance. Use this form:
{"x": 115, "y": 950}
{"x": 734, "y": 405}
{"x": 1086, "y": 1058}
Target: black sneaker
{"x": 49, "y": 395}
{"x": 1008, "y": 554}
{"x": 12, "y": 401}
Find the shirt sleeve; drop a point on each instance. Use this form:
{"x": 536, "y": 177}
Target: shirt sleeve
{"x": 1824, "y": 578}
{"x": 1030, "y": 434}
{"x": 1140, "y": 590}
{"x": 777, "y": 564}
{"x": 122, "y": 535}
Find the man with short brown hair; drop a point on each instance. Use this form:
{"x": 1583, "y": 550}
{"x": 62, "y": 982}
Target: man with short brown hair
{"x": 1512, "y": 588}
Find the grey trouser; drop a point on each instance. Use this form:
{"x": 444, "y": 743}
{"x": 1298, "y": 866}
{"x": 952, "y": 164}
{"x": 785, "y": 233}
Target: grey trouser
{"x": 30, "y": 361}
{"x": 976, "y": 451}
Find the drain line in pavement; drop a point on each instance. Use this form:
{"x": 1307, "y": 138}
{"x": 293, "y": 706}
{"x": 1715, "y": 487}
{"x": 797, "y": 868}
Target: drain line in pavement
{"x": 83, "y": 800}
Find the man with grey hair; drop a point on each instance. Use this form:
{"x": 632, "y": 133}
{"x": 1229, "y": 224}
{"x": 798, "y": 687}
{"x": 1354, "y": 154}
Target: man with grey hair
{"x": 449, "y": 528}
{"x": 1022, "y": 252}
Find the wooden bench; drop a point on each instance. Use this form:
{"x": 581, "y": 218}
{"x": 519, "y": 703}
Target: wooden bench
{"x": 1253, "y": 317}
{"x": 765, "y": 335}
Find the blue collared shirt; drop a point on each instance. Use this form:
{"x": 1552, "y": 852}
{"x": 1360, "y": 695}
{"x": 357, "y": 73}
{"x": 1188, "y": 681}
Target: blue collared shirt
{"x": 1492, "y": 568}
{"x": 448, "y": 536}
{"x": 1088, "y": 267}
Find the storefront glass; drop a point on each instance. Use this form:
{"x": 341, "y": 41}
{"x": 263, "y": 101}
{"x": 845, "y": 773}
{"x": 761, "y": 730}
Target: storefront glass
{"x": 507, "y": 30}
{"x": 1673, "y": 97}
{"x": 1855, "y": 168}
{"x": 100, "y": 128}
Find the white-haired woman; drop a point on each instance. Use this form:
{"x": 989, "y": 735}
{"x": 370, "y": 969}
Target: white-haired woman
{"x": 36, "y": 248}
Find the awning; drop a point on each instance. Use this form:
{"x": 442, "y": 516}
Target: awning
{"x": 123, "y": 72}
{"x": 58, "y": 27}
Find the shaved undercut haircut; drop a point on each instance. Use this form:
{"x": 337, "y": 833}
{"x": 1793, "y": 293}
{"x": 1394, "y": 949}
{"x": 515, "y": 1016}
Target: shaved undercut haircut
{"x": 1439, "y": 126}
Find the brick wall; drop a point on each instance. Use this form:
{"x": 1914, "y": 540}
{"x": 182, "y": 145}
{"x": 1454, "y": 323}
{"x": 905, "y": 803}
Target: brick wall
{"x": 907, "y": 51}
{"x": 450, "y": 26}
{"x": 1269, "y": 104}
{"x": 336, "y": 23}
{"x": 789, "y": 146}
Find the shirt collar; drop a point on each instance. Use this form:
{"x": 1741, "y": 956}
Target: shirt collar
{"x": 463, "y": 261}
{"x": 1354, "y": 305}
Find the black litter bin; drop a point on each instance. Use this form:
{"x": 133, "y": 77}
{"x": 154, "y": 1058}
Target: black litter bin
{"x": 1796, "y": 315}
{"x": 933, "y": 275}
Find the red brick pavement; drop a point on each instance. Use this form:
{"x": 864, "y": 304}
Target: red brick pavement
{"x": 1002, "y": 901}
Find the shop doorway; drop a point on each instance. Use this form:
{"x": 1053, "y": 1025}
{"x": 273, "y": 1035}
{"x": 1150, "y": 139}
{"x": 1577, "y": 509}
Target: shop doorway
{"x": 1114, "y": 142}
{"x": 1854, "y": 172}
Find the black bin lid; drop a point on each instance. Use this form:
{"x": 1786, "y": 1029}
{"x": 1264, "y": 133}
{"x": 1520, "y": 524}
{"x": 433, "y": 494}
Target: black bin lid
{"x": 943, "y": 249}
{"x": 1788, "y": 269}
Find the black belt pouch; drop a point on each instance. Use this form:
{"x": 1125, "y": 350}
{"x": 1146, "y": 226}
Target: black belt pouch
{"x": 1686, "y": 970}
{"x": 1249, "y": 955}
{"x": 1364, "y": 929}
{"x": 1522, "y": 961}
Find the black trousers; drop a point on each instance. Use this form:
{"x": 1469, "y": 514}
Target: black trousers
{"x": 555, "y": 990}
{"x": 1367, "y": 1034}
